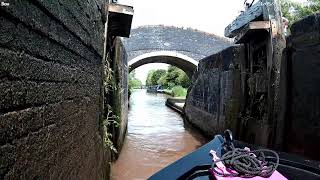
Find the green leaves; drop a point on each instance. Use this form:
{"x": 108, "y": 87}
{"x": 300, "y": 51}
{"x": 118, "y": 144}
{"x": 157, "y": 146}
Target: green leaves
{"x": 295, "y": 11}
{"x": 168, "y": 79}
{"x": 133, "y": 81}
{"x": 154, "y": 76}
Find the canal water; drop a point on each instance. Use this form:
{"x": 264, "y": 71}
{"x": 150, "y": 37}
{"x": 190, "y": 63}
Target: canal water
{"x": 156, "y": 137}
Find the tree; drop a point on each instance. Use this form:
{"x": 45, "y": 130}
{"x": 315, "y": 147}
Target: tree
{"x": 314, "y": 5}
{"x": 294, "y": 11}
{"x": 162, "y": 81}
{"x": 183, "y": 80}
{"x": 172, "y": 75}
{"x": 157, "y": 75}
{"x": 133, "y": 81}
{"x": 168, "y": 79}
{"x": 154, "y": 76}
{"x": 149, "y": 76}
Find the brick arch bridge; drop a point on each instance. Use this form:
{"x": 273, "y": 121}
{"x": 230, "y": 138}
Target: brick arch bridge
{"x": 182, "y": 47}
{"x": 186, "y": 63}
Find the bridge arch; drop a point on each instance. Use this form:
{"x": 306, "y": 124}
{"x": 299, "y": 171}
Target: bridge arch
{"x": 181, "y": 47}
{"x": 184, "y": 62}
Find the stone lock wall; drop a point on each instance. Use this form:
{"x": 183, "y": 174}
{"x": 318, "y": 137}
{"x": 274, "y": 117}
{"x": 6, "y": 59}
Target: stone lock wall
{"x": 223, "y": 87}
{"x": 51, "y": 90}
{"x": 120, "y": 93}
{"x": 301, "y": 88}
{"x": 213, "y": 101}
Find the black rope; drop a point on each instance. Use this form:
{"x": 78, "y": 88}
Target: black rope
{"x": 247, "y": 163}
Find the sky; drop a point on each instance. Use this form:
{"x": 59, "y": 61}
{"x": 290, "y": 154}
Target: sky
{"x": 210, "y": 16}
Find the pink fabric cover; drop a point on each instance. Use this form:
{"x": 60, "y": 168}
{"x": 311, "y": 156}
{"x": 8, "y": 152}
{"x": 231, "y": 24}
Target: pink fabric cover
{"x": 222, "y": 169}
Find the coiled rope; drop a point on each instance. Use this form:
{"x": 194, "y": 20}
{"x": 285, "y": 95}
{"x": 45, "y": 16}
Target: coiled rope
{"x": 247, "y": 163}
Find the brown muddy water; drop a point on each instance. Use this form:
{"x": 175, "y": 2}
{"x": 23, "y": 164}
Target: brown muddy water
{"x": 156, "y": 137}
